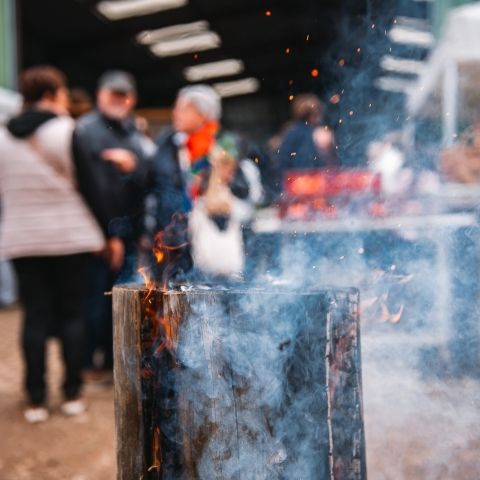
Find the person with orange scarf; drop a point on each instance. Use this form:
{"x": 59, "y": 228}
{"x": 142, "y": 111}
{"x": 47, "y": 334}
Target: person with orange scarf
{"x": 181, "y": 164}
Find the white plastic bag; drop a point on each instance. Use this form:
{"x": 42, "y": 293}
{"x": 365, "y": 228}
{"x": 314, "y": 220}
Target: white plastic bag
{"x": 215, "y": 251}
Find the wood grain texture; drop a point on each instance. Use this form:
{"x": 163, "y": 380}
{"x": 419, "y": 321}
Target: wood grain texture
{"x": 127, "y": 314}
{"x": 186, "y": 409}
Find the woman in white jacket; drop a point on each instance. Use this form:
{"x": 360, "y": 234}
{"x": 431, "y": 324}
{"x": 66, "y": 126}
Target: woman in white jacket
{"x": 47, "y": 230}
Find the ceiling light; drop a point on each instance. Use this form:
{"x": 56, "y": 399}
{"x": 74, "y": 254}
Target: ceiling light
{"x": 413, "y": 22}
{"x": 120, "y": 9}
{"x": 205, "y": 71}
{"x": 237, "y": 87}
{"x": 193, "y": 43}
{"x": 401, "y": 65}
{"x": 148, "y": 37}
{"x": 411, "y": 36}
{"x": 394, "y": 84}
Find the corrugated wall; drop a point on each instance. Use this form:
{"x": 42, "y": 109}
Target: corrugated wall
{"x": 8, "y": 50}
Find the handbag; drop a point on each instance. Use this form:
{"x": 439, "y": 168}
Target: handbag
{"x": 215, "y": 251}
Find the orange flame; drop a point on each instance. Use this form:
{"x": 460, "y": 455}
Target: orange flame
{"x": 168, "y": 243}
{"x": 166, "y": 328}
{"x": 149, "y": 283}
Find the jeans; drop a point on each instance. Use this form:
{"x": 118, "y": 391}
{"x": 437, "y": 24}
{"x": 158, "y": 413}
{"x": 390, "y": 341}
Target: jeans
{"x": 52, "y": 290}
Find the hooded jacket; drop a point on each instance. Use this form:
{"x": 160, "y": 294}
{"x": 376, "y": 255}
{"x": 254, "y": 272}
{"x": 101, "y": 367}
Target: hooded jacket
{"x": 42, "y": 213}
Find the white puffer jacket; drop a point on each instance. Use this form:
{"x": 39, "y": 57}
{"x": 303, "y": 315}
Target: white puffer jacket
{"x": 42, "y": 213}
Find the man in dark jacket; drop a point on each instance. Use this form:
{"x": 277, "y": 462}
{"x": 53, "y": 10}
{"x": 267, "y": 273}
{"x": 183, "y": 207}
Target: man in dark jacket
{"x": 111, "y": 169}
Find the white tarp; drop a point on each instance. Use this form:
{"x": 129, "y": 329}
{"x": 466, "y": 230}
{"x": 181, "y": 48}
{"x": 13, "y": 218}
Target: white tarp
{"x": 460, "y": 43}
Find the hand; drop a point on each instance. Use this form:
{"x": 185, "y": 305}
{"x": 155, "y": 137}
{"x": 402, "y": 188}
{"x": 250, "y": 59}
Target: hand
{"x": 123, "y": 159}
{"x": 115, "y": 253}
{"x": 323, "y": 138}
{"x": 218, "y": 200}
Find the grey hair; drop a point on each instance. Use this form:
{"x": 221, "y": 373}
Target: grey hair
{"x": 205, "y": 99}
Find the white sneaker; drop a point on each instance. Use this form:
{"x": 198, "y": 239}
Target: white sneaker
{"x": 72, "y": 408}
{"x": 36, "y": 414}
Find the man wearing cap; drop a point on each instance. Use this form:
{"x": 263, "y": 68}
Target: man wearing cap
{"x": 111, "y": 171}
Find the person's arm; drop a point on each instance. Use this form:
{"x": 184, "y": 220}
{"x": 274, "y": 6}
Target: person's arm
{"x": 91, "y": 185}
{"x": 90, "y": 181}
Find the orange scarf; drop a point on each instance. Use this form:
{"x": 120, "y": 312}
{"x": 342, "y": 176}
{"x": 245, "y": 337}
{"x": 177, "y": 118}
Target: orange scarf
{"x": 201, "y": 142}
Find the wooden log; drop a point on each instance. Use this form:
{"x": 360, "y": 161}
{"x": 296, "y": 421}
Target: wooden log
{"x": 127, "y": 308}
{"x": 238, "y": 384}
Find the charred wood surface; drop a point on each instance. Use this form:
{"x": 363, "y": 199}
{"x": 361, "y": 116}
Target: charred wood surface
{"x": 227, "y": 384}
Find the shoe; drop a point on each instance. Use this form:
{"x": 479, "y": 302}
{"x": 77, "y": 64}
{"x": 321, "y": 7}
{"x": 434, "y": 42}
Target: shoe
{"x": 36, "y": 414}
{"x": 72, "y": 408}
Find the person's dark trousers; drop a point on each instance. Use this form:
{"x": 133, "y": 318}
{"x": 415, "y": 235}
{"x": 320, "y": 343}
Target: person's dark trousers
{"x": 52, "y": 290}
{"x": 99, "y": 336}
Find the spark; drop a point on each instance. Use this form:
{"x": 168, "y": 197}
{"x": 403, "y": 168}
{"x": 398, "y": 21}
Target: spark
{"x": 315, "y": 73}
{"x": 334, "y": 99}
{"x": 287, "y": 51}
{"x": 268, "y": 13}
{"x": 291, "y": 97}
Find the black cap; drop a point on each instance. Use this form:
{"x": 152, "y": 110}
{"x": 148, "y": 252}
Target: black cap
{"x": 119, "y": 81}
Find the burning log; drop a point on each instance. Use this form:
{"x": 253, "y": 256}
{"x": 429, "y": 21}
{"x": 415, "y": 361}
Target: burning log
{"x": 231, "y": 384}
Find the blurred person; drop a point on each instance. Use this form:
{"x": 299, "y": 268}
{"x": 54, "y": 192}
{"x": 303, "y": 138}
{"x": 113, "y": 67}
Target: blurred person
{"x": 386, "y": 158}
{"x": 48, "y": 231}
{"x": 460, "y": 162}
{"x": 146, "y": 138}
{"x": 81, "y": 103}
{"x": 182, "y": 164}
{"x": 307, "y": 144}
{"x": 111, "y": 164}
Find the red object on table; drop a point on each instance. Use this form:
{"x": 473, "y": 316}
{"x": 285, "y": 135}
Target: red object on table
{"x": 325, "y": 191}
{"x": 330, "y": 183}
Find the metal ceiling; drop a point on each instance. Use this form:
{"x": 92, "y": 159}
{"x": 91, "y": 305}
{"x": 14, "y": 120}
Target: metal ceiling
{"x": 325, "y": 46}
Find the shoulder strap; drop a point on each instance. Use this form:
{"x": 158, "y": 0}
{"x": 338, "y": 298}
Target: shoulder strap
{"x": 48, "y": 158}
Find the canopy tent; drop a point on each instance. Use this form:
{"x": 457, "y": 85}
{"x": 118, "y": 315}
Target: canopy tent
{"x": 453, "y": 67}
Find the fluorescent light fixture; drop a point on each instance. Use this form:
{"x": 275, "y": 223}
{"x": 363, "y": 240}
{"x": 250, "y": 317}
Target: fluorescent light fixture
{"x": 237, "y": 87}
{"x": 120, "y": 9}
{"x": 394, "y": 84}
{"x": 223, "y": 68}
{"x": 401, "y": 65}
{"x": 149, "y": 37}
{"x": 198, "y": 42}
{"x": 411, "y": 36}
{"x": 412, "y": 22}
